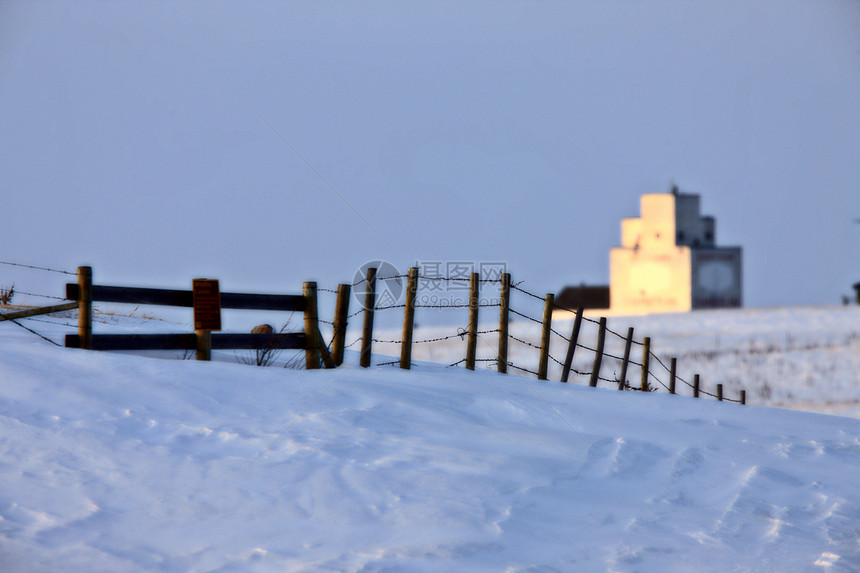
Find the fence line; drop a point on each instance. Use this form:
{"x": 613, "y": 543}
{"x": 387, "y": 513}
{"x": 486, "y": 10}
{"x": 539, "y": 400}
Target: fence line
{"x": 469, "y": 334}
{"x": 475, "y": 303}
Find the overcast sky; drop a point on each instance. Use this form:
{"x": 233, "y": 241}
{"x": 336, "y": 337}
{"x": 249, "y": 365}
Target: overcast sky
{"x": 270, "y": 143}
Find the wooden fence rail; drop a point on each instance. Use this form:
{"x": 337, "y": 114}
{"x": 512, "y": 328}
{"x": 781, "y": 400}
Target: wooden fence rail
{"x": 202, "y": 341}
{"x": 27, "y": 313}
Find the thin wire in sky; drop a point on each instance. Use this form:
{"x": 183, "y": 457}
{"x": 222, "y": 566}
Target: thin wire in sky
{"x": 324, "y": 180}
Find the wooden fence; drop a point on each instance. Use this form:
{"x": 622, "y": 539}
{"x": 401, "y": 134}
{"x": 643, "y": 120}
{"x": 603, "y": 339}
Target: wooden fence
{"x": 317, "y": 353}
{"x": 470, "y": 334}
{"x": 203, "y": 340}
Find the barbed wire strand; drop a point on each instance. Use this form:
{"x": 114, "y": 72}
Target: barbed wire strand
{"x": 41, "y": 295}
{"x": 12, "y": 320}
{"x": 50, "y": 322}
{"x": 36, "y": 268}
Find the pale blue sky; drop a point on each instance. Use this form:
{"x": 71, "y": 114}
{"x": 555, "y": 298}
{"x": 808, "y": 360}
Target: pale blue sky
{"x": 162, "y": 141}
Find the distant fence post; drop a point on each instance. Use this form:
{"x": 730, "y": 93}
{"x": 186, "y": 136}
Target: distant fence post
{"x": 85, "y": 307}
{"x": 549, "y": 302}
{"x": 312, "y": 353}
{"x": 408, "y": 319}
{"x": 472, "y": 342}
{"x": 628, "y": 344}
{"x": 504, "y": 305}
{"x": 341, "y": 311}
{"x": 696, "y": 386}
{"x": 598, "y": 355}
{"x": 646, "y": 364}
{"x": 720, "y": 392}
{"x": 673, "y": 367}
{"x": 571, "y": 348}
{"x": 743, "y": 397}
{"x": 369, "y": 305}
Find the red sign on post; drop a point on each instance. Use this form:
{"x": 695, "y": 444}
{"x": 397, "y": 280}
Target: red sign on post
{"x": 207, "y": 304}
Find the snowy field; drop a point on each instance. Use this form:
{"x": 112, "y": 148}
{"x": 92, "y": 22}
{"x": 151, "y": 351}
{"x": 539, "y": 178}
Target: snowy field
{"x": 116, "y": 463}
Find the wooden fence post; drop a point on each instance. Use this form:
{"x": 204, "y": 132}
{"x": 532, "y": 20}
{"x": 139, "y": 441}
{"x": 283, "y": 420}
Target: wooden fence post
{"x": 206, "y": 302}
{"x": 696, "y": 386}
{"x": 408, "y": 319}
{"x": 504, "y": 306}
{"x": 743, "y": 397}
{"x": 720, "y": 392}
{"x": 85, "y": 307}
{"x": 472, "y": 342}
{"x": 543, "y": 367}
{"x": 628, "y": 344}
{"x": 369, "y": 305}
{"x": 312, "y": 352}
{"x": 598, "y": 355}
{"x": 341, "y": 311}
{"x": 673, "y": 366}
{"x": 571, "y": 348}
{"x": 204, "y": 345}
{"x": 646, "y": 364}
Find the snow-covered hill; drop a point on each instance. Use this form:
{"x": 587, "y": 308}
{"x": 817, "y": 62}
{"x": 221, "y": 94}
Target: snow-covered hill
{"x": 122, "y": 463}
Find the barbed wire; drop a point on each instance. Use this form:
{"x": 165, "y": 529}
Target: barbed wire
{"x": 377, "y": 279}
{"x": 527, "y": 317}
{"x": 606, "y": 355}
{"x": 41, "y": 295}
{"x": 14, "y": 321}
{"x": 389, "y": 307}
{"x": 564, "y": 308}
{"x": 461, "y": 334}
{"x": 521, "y": 369}
{"x": 460, "y": 305}
{"x": 521, "y": 341}
{"x": 50, "y": 322}
{"x": 36, "y": 268}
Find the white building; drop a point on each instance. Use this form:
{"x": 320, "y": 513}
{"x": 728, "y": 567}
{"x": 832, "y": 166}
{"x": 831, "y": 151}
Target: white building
{"x": 668, "y": 260}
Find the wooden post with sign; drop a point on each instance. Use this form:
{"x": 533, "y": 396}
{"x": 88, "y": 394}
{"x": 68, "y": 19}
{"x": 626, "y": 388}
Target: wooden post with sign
{"x": 206, "y": 295}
